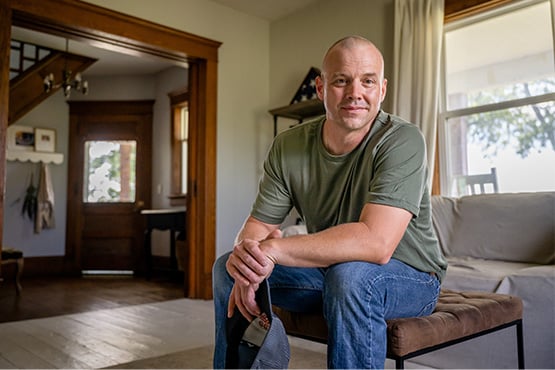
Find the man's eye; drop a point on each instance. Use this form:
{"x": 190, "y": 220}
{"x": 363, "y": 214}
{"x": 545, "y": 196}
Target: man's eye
{"x": 369, "y": 81}
{"x": 340, "y": 82}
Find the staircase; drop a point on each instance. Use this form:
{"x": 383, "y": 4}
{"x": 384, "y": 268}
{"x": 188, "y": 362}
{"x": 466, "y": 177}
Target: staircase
{"x": 29, "y": 65}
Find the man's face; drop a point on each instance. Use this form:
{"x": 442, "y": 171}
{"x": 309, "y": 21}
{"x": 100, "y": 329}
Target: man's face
{"x": 352, "y": 87}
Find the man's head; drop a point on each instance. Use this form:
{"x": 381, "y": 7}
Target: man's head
{"x": 352, "y": 84}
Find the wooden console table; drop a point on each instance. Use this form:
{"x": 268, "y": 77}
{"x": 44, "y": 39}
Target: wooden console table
{"x": 172, "y": 219}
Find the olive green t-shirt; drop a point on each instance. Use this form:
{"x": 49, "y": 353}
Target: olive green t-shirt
{"x": 388, "y": 167}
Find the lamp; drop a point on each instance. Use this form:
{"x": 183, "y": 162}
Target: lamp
{"x": 67, "y": 83}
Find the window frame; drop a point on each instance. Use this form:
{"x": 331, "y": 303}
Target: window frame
{"x": 178, "y": 100}
{"x": 483, "y": 9}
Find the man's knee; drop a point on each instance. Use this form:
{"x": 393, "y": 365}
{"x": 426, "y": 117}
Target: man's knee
{"x": 220, "y": 277}
{"x": 349, "y": 279}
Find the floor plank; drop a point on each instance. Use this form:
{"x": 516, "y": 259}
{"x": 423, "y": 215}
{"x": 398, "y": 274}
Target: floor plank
{"x": 107, "y": 337}
{"x": 45, "y": 297}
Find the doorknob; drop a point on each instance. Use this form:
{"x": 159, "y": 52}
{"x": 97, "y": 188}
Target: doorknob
{"x": 139, "y": 205}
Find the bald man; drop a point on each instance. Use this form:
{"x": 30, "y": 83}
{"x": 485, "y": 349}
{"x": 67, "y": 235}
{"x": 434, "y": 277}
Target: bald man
{"x": 358, "y": 179}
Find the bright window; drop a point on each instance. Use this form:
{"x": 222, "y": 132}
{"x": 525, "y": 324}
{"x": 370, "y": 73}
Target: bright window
{"x": 183, "y": 138}
{"x": 499, "y": 101}
{"x": 179, "y": 101}
{"x": 110, "y": 171}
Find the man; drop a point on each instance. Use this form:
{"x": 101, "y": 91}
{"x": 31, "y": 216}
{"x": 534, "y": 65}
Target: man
{"x": 358, "y": 179}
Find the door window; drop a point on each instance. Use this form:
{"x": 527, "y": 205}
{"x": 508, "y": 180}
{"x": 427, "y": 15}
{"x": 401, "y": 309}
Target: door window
{"x": 110, "y": 171}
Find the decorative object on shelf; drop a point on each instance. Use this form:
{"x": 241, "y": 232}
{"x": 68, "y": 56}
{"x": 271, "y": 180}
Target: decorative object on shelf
{"x": 67, "y": 84}
{"x": 21, "y": 138}
{"x": 29, "y": 144}
{"x": 305, "y": 103}
{"x": 307, "y": 90}
{"x": 45, "y": 140}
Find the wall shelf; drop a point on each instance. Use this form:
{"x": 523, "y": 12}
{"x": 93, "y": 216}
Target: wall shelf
{"x": 298, "y": 111}
{"x": 35, "y": 157}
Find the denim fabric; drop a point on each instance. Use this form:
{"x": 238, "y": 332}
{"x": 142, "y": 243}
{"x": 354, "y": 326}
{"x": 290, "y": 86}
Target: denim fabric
{"x": 356, "y": 297}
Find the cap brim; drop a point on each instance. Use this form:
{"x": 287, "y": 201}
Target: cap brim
{"x": 273, "y": 353}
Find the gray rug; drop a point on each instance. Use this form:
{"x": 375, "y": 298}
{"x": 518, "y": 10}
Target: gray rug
{"x": 201, "y": 358}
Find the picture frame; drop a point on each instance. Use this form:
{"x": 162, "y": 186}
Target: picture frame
{"x": 45, "y": 140}
{"x": 20, "y": 138}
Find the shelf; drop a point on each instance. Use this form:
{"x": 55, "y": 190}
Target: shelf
{"x": 35, "y": 157}
{"x": 298, "y": 111}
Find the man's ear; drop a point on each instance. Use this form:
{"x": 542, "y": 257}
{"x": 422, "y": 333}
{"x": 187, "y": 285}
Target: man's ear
{"x": 384, "y": 90}
{"x": 320, "y": 87}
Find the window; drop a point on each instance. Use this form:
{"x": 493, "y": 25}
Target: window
{"x": 180, "y": 146}
{"x": 498, "y": 109}
{"x": 110, "y": 171}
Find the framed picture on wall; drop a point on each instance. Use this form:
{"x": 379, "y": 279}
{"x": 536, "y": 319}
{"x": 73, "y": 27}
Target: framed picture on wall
{"x": 21, "y": 138}
{"x": 45, "y": 140}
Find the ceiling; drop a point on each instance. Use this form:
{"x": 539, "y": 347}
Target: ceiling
{"x": 109, "y": 62}
{"x": 114, "y": 63}
{"x": 271, "y": 10}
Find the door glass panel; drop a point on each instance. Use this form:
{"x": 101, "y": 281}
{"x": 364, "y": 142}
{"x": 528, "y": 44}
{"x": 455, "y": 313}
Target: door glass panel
{"x": 110, "y": 171}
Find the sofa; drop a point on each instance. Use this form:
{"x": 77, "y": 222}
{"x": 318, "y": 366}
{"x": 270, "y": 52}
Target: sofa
{"x": 502, "y": 243}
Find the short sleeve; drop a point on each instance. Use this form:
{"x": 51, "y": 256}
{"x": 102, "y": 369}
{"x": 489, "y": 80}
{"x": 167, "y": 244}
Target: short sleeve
{"x": 273, "y": 201}
{"x": 400, "y": 173}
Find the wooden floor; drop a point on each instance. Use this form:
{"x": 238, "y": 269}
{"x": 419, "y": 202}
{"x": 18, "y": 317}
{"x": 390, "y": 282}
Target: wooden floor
{"x": 46, "y": 297}
{"x": 98, "y": 322}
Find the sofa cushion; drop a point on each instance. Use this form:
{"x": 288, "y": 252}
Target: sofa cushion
{"x": 516, "y": 227}
{"x": 468, "y": 273}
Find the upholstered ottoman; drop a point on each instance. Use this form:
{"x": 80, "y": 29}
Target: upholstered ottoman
{"x": 458, "y": 316}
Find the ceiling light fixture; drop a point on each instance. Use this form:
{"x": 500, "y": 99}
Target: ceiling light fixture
{"x": 67, "y": 83}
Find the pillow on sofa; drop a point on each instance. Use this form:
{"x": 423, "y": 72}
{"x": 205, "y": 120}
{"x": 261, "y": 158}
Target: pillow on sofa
{"x": 443, "y": 219}
{"x": 508, "y": 227}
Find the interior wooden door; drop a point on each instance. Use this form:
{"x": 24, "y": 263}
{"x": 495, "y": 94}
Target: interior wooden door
{"x": 109, "y": 183}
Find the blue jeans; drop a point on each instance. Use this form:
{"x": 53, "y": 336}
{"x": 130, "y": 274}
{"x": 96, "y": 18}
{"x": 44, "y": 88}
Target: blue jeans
{"x": 356, "y": 298}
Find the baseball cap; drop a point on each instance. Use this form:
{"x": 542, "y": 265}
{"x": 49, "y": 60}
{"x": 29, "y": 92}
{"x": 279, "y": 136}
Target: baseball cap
{"x": 261, "y": 343}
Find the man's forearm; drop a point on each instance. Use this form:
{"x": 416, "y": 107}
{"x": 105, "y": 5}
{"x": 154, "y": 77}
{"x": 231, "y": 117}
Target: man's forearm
{"x": 372, "y": 239}
{"x": 255, "y": 230}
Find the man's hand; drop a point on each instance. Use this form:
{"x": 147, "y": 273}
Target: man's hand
{"x": 242, "y": 297}
{"x": 248, "y": 266}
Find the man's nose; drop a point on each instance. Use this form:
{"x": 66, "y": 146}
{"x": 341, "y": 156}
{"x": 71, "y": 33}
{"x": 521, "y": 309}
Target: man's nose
{"x": 354, "y": 91}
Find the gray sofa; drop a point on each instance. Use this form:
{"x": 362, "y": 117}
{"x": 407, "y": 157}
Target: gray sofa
{"x": 502, "y": 243}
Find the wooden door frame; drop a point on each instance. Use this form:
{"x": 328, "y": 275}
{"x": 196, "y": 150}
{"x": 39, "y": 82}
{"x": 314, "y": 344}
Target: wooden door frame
{"x": 120, "y": 32}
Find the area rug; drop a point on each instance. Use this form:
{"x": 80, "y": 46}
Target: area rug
{"x": 201, "y": 358}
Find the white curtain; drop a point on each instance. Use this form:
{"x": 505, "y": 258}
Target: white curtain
{"x": 416, "y": 71}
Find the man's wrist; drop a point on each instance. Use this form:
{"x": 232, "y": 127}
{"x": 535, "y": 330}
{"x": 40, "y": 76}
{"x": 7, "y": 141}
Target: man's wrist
{"x": 271, "y": 258}
{"x": 268, "y": 249}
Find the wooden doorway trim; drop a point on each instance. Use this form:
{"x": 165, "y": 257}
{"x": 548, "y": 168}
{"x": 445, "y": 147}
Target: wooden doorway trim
{"x": 120, "y": 32}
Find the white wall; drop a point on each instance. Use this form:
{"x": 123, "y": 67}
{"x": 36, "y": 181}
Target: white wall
{"x": 308, "y": 34}
{"x": 19, "y": 230}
